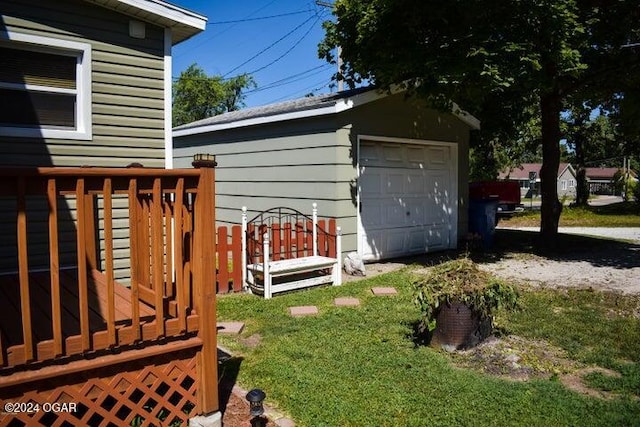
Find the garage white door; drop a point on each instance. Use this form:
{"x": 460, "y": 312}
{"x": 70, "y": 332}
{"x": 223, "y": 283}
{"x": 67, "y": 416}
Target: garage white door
{"x": 407, "y": 199}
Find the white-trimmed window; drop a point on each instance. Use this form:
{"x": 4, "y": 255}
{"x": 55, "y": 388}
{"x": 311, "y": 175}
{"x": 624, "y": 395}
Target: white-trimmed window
{"x": 45, "y": 87}
{"x": 572, "y": 183}
{"x": 564, "y": 184}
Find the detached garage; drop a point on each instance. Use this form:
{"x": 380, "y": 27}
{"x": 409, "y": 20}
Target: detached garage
{"x": 392, "y": 172}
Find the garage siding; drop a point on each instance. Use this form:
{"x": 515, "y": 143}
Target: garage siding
{"x": 273, "y": 166}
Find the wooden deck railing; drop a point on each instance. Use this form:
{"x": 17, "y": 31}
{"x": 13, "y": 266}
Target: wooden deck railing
{"x": 167, "y": 261}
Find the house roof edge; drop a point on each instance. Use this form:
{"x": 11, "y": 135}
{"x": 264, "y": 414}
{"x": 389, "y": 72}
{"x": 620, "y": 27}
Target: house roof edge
{"x": 160, "y": 12}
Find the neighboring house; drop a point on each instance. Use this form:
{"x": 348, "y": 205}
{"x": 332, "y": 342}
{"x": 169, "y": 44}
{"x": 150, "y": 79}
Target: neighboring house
{"x": 603, "y": 180}
{"x": 393, "y": 172}
{"x": 88, "y": 83}
{"x": 566, "y": 180}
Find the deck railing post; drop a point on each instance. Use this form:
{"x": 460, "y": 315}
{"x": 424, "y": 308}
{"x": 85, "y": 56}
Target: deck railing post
{"x": 90, "y": 230}
{"x": 204, "y": 281}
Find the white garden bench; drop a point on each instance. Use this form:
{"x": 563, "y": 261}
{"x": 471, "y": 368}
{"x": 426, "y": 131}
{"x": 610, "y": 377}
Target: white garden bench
{"x": 280, "y": 252}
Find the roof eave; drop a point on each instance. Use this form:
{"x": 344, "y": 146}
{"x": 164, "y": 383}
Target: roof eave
{"x": 338, "y": 106}
{"x": 184, "y": 23}
{"x": 253, "y": 121}
{"x": 465, "y": 117}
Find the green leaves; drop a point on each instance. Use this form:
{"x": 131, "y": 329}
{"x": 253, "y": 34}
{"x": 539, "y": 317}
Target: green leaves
{"x": 197, "y": 96}
{"x": 460, "y": 281}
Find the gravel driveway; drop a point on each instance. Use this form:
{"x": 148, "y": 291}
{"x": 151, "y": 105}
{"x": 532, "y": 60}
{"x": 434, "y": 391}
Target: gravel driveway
{"x": 615, "y": 267}
{"x": 625, "y": 233}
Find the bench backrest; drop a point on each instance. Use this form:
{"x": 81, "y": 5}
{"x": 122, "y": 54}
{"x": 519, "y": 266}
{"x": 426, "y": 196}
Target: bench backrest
{"x": 291, "y": 234}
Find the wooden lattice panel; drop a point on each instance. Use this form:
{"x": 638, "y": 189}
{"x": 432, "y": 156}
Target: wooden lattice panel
{"x": 148, "y": 392}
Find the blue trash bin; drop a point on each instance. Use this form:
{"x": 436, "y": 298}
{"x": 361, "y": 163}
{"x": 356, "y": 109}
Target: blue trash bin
{"x": 482, "y": 219}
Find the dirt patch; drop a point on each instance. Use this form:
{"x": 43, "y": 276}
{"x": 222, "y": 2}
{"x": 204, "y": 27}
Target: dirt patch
{"x": 576, "y": 383}
{"x": 516, "y": 358}
{"x": 252, "y": 341}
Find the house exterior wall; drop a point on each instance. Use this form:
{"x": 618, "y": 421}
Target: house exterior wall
{"x": 567, "y": 184}
{"x": 127, "y": 102}
{"x": 127, "y": 91}
{"x": 298, "y": 162}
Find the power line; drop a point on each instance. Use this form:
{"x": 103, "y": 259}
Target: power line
{"x": 176, "y": 78}
{"x": 208, "y": 38}
{"x": 290, "y": 79}
{"x": 259, "y": 18}
{"x": 269, "y": 47}
{"x": 288, "y": 50}
{"x": 311, "y": 88}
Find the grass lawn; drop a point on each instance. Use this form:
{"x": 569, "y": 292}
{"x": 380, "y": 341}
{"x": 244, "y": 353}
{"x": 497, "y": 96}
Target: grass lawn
{"x": 624, "y": 214}
{"x": 360, "y": 366}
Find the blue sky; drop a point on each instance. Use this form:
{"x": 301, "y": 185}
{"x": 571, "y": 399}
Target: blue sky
{"x": 280, "y": 52}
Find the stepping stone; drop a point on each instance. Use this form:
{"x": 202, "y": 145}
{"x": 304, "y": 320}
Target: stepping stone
{"x": 285, "y": 422}
{"x": 382, "y": 291}
{"x": 303, "y": 310}
{"x": 230, "y": 328}
{"x": 346, "y": 302}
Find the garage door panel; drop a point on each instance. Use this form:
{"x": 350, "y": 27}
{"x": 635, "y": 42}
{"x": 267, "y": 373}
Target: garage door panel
{"x": 395, "y": 183}
{"x": 417, "y": 156}
{"x": 417, "y": 209}
{"x": 438, "y": 237}
{"x": 415, "y": 183}
{"x": 372, "y": 217}
{"x": 369, "y": 154}
{"x": 395, "y": 243}
{"x": 438, "y": 158}
{"x": 393, "y": 155}
{"x": 373, "y": 187}
{"x": 395, "y": 215}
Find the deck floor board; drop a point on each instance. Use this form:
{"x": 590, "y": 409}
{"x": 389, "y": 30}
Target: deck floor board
{"x": 40, "y": 296}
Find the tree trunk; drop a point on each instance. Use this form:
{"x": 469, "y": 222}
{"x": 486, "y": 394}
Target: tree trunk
{"x": 550, "y": 106}
{"x": 582, "y": 188}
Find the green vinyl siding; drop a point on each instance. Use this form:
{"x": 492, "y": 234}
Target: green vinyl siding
{"x": 127, "y": 86}
{"x": 127, "y": 98}
{"x": 291, "y": 167}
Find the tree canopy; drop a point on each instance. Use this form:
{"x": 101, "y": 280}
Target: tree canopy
{"x": 198, "y": 96}
{"x": 500, "y": 59}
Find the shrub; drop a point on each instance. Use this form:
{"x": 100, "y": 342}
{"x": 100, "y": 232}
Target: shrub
{"x": 460, "y": 281}
{"x": 635, "y": 190}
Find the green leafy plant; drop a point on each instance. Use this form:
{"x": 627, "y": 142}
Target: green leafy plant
{"x": 460, "y": 281}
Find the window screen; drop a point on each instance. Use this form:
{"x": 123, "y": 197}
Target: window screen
{"x": 37, "y": 89}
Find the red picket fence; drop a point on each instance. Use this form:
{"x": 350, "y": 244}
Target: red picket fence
{"x": 229, "y": 259}
{"x": 287, "y": 241}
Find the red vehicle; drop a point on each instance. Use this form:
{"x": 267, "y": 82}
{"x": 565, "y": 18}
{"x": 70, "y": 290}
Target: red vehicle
{"x": 507, "y": 192}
